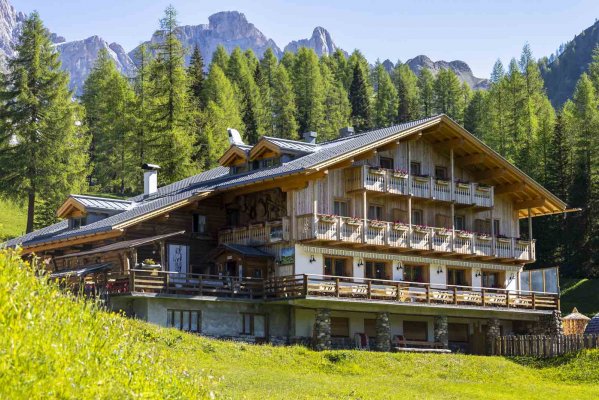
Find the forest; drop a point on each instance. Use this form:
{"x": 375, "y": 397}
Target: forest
{"x": 176, "y": 116}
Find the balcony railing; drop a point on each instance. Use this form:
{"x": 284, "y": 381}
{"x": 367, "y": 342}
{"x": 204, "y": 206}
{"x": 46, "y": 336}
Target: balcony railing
{"x": 388, "y": 181}
{"x": 258, "y": 234}
{"x": 395, "y": 235}
{"x": 302, "y": 286}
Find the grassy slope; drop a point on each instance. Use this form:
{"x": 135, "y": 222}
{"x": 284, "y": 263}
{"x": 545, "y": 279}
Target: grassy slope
{"x": 52, "y": 346}
{"x": 580, "y": 293}
{"x": 12, "y": 219}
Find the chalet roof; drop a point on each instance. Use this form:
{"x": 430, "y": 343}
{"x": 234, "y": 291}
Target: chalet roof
{"x": 575, "y": 315}
{"x": 295, "y": 146}
{"x": 593, "y": 326}
{"x": 321, "y": 157}
{"x": 122, "y": 245}
{"x": 88, "y": 269}
{"x": 92, "y": 204}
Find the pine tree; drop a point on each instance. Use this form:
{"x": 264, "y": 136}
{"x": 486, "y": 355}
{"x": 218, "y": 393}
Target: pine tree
{"x": 448, "y": 92}
{"x": 385, "y": 101}
{"x": 407, "y": 91}
{"x": 42, "y": 146}
{"x": 252, "y": 111}
{"x": 309, "y": 90}
{"x": 140, "y": 85}
{"x": 109, "y": 102}
{"x": 426, "y": 82}
{"x": 336, "y": 104}
{"x": 195, "y": 76}
{"x": 475, "y": 114}
{"x": 220, "y": 57}
{"x": 170, "y": 141}
{"x": 359, "y": 98}
{"x": 222, "y": 111}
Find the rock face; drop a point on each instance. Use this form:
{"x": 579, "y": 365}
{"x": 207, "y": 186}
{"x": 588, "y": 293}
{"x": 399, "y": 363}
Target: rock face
{"x": 78, "y": 58}
{"x": 321, "y": 42}
{"x": 10, "y": 22}
{"x": 461, "y": 69}
{"x": 230, "y": 29}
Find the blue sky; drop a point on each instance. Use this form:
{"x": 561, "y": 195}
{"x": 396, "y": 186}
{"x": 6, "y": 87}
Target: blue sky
{"x": 477, "y": 32}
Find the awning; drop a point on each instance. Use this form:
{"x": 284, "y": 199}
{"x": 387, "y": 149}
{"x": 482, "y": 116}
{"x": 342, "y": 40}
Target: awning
{"x": 123, "y": 245}
{"x": 82, "y": 271}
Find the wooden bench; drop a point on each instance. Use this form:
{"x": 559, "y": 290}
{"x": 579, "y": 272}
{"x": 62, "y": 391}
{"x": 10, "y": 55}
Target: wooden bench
{"x": 399, "y": 341}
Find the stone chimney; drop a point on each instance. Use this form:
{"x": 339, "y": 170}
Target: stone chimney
{"x": 310, "y": 137}
{"x": 150, "y": 178}
{"x": 346, "y": 131}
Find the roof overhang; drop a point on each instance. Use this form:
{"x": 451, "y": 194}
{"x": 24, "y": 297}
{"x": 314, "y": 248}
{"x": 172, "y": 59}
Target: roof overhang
{"x": 233, "y": 156}
{"x": 264, "y": 149}
{"x": 71, "y": 208}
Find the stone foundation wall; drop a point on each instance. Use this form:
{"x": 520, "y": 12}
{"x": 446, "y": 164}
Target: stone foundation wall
{"x": 550, "y": 324}
{"x": 493, "y": 331}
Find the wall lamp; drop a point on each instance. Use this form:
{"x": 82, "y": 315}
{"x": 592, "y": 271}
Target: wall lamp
{"x": 478, "y": 274}
{"x": 312, "y": 259}
{"x": 440, "y": 270}
{"x": 399, "y": 267}
{"x": 361, "y": 262}
{"x": 512, "y": 277}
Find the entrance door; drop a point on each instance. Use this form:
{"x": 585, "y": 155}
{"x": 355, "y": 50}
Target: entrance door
{"x": 231, "y": 268}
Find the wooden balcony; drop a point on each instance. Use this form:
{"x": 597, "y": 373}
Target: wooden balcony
{"x": 389, "y": 235}
{"x": 388, "y": 181}
{"x": 259, "y": 234}
{"x": 305, "y": 286}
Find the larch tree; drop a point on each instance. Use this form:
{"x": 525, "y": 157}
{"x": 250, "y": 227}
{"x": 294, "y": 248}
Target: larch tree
{"x": 475, "y": 114}
{"x": 309, "y": 91}
{"x": 43, "y": 146}
{"x": 426, "y": 89}
{"x": 220, "y": 57}
{"x": 359, "y": 98}
{"x": 496, "y": 134}
{"x": 448, "y": 94}
{"x": 170, "y": 142}
{"x": 406, "y": 83}
{"x": 336, "y": 104}
{"x": 266, "y": 83}
{"x": 283, "y": 105}
{"x": 140, "y": 85}
{"x": 385, "y": 98}
{"x": 196, "y": 76}
{"x": 109, "y": 102}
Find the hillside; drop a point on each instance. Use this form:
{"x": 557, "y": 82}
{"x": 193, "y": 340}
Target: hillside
{"x": 562, "y": 74}
{"x": 580, "y": 293}
{"x": 13, "y": 219}
{"x": 52, "y": 346}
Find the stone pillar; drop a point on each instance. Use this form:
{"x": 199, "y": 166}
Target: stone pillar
{"x": 441, "y": 332}
{"x": 383, "y": 332}
{"x": 493, "y": 331}
{"x": 550, "y": 324}
{"x": 322, "y": 329}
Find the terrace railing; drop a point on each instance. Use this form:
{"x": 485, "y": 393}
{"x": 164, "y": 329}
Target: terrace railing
{"x": 257, "y": 234}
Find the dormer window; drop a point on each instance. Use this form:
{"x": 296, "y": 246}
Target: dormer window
{"x": 76, "y": 223}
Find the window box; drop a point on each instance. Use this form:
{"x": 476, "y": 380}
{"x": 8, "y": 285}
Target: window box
{"x": 399, "y": 226}
{"x": 483, "y": 188}
{"x": 463, "y": 234}
{"x": 443, "y": 232}
{"x": 354, "y": 221}
{"x": 421, "y": 229}
{"x": 504, "y": 240}
{"x": 377, "y": 171}
{"x": 377, "y": 224}
{"x": 442, "y": 182}
{"x": 328, "y": 219}
{"x": 463, "y": 185}
{"x": 421, "y": 179}
{"x": 400, "y": 173}
{"x": 484, "y": 236}
{"x": 522, "y": 242}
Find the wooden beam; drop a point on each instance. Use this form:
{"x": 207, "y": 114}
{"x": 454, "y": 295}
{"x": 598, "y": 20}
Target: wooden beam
{"x": 510, "y": 188}
{"x": 471, "y": 159}
{"x": 533, "y": 203}
{"x": 451, "y": 143}
{"x": 366, "y": 155}
{"x": 489, "y": 174}
{"x": 388, "y": 146}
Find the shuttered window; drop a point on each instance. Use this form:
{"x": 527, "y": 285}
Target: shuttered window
{"x": 339, "y": 327}
{"x": 399, "y": 215}
{"x": 443, "y": 221}
{"x": 458, "y": 333}
{"x": 415, "y": 330}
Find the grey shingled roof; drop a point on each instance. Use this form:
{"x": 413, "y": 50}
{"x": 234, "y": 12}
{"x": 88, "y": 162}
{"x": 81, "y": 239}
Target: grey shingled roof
{"x": 246, "y": 250}
{"x": 102, "y": 203}
{"x": 216, "y": 179}
{"x": 293, "y": 146}
{"x": 593, "y": 326}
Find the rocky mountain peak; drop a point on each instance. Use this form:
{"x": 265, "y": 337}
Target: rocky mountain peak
{"x": 461, "y": 69}
{"x": 10, "y": 21}
{"x": 321, "y": 41}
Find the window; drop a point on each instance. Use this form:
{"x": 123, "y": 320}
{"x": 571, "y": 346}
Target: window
{"x": 457, "y": 333}
{"x": 441, "y": 173}
{"x": 484, "y": 226}
{"x": 496, "y": 226}
{"x": 413, "y": 273}
{"x": 490, "y": 279}
{"x": 254, "y": 324}
{"x": 75, "y": 223}
{"x": 377, "y": 270}
{"x": 415, "y": 330}
{"x": 370, "y": 327}
{"x": 375, "y": 212}
{"x": 340, "y": 208}
{"x": 457, "y": 277}
{"x": 339, "y": 327}
{"x": 460, "y": 222}
{"x": 336, "y": 266}
{"x": 415, "y": 168}
{"x": 199, "y": 223}
{"x": 232, "y": 217}
{"x": 186, "y": 320}
{"x": 417, "y": 217}
{"x": 386, "y": 162}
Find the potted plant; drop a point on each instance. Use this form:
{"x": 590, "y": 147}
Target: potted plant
{"x": 421, "y": 178}
{"x": 400, "y": 173}
{"x": 377, "y": 224}
{"x": 354, "y": 221}
{"x": 464, "y": 234}
{"x": 483, "y": 236}
{"x": 443, "y": 231}
{"x": 150, "y": 264}
{"x": 400, "y": 226}
{"x": 442, "y": 182}
{"x": 421, "y": 228}
{"x": 328, "y": 218}
{"x": 377, "y": 170}
{"x": 462, "y": 184}
{"x": 483, "y": 188}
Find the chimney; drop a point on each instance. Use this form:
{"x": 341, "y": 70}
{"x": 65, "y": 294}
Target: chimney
{"x": 310, "y": 137}
{"x": 234, "y": 137}
{"x": 150, "y": 178}
{"x": 346, "y": 131}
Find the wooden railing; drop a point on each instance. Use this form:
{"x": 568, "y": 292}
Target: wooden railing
{"x": 301, "y": 286}
{"x": 388, "y": 181}
{"x": 394, "y": 235}
{"x": 164, "y": 282}
{"x": 269, "y": 232}
{"x": 542, "y": 345}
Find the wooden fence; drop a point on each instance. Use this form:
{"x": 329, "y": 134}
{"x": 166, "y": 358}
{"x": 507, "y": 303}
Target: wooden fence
{"x": 543, "y": 346}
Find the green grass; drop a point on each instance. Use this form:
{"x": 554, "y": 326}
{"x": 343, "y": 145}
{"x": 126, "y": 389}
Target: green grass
{"x": 13, "y": 219}
{"x": 580, "y": 293}
{"x": 53, "y": 346}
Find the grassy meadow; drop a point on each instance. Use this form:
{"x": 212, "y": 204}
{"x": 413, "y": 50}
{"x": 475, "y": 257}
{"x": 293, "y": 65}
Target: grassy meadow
{"x": 54, "y": 346}
{"x": 13, "y": 218}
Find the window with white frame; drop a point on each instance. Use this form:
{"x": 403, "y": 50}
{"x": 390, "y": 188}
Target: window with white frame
{"x": 186, "y": 320}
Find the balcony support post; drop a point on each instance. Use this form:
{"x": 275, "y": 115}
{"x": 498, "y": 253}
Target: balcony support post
{"x": 410, "y": 221}
{"x": 493, "y": 233}
{"x": 530, "y": 257}
{"x": 409, "y": 168}
{"x": 293, "y": 227}
{"x": 451, "y": 175}
{"x": 452, "y": 225}
{"x": 314, "y": 208}
{"x": 364, "y": 216}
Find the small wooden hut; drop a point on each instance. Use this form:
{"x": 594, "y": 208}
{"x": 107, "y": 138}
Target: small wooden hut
{"x": 575, "y": 323}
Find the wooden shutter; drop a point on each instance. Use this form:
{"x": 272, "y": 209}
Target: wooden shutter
{"x": 339, "y": 327}
{"x": 415, "y": 330}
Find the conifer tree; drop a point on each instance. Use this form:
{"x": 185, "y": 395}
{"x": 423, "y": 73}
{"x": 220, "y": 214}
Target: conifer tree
{"x": 42, "y": 145}
{"x": 385, "y": 101}
{"x": 140, "y": 85}
{"x": 359, "y": 98}
{"x": 448, "y": 92}
{"x": 475, "y": 114}
{"x": 426, "y": 82}
{"x": 109, "y": 102}
{"x": 170, "y": 141}
{"x": 283, "y": 105}
{"x": 406, "y": 83}
{"x": 195, "y": 76}
{"x": 496, "y": 134}
{"x": 516, "y": 113}
{"x": 336, "y": 104}
{"x": 220, "y": 58}
{"x": 252, "y": 111}
{"x": 309, "y": 91}
{"x": 266, "y": 82}
{"x": 288, "y": 61}
{"x": 341, "y": 68}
